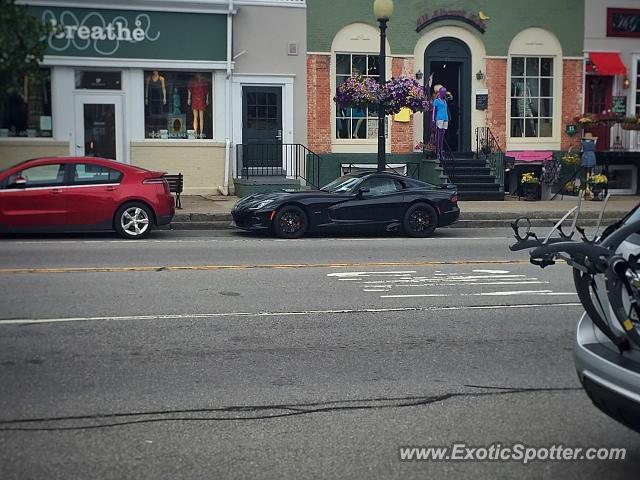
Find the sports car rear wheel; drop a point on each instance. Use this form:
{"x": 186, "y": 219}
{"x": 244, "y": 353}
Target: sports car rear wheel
{"x": 420, "y": 220}
{"x": 290, "y": 222}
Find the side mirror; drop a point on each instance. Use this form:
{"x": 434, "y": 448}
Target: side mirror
{"x": 19, "y": 182}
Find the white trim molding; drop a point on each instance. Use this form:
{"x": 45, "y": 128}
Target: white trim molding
{"x": 156, "y": 64}
{"x": 284, "y": 81}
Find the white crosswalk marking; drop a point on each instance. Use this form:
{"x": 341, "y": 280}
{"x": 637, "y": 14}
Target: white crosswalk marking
{"x": 392, "y": 283}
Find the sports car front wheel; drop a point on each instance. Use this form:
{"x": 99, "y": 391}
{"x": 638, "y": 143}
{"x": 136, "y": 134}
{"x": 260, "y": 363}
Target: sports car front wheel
{"x": 290, "y": 222}
{"x": 420, "y": 220}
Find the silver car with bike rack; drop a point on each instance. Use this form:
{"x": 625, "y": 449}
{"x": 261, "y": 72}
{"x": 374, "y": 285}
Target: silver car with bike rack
{"x": 606, "y": 272}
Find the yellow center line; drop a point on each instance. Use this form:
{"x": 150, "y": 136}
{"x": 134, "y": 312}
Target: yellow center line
{"x": 175, "y": 268}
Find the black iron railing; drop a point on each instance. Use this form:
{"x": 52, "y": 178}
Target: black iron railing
{"x": 488, "y": 148}
{"x": 448, "y": 162}
{"x": 291, "y": 160}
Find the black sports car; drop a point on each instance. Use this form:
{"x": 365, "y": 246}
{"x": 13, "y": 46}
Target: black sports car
{"x": 356, "y": 201}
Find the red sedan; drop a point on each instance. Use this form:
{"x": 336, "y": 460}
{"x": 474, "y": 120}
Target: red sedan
{"x": 81, "y": 194}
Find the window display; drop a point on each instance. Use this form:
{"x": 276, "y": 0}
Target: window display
{"x": 28, "y": 113}
{"x": 178, "y": 105}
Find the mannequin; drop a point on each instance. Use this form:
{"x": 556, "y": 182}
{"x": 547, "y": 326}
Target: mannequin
{"x": 175, "y": 102}
{"x": 440, "y": 120}
{"x": 155, "y": 97}
{"x": 198, "y": 98}
{"x": 155, "y": 94}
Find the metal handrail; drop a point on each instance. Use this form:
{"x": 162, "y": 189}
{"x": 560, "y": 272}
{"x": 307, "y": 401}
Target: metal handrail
{"x": 292, "y": 160}
{"x": 487, "y": 145}
{"x": 571, "y": 179}
{"x": 448, "y": 163}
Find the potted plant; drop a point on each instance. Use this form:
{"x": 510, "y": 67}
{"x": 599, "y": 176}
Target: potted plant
{"x": 571, "y": 159}
{"x": 596, "y": 184}
{"x": 530, "y": 184}
{"x": 428, "y": 149}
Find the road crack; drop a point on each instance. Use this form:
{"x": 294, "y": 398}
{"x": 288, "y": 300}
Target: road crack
{"x": 253, "y": 412}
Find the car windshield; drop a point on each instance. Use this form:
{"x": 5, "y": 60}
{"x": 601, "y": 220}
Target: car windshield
{"x": 341, "y": 184}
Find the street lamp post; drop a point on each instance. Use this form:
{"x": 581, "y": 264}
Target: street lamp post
{"x": 382, "y": 9}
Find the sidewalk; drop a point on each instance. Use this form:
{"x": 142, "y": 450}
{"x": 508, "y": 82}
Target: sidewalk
{"x": 214, "y": 212}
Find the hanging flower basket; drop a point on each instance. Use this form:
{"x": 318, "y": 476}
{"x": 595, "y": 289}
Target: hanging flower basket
{"x": 631, "y": 123}
{"x": 358, "y": 92}
{"x": 395, "y": 94}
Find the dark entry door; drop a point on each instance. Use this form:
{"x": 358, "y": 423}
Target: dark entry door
{"x": 448, "y": 62}
{"x": 598, "y": 99}
{"x": 262, "y": 131}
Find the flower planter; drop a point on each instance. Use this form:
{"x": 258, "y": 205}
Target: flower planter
{"x": 531, "y": 191}
{"x": 596, "y": 190}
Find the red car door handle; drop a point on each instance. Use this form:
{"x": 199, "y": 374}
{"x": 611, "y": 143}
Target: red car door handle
{"x": 110, "y": 189}
{"x": 56, "y": 190}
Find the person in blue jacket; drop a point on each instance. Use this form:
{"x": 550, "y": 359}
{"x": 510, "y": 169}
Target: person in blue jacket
{"x": 440, "y": 120}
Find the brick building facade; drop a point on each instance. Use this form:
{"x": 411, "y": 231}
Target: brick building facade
{"x": 511, "y": 67}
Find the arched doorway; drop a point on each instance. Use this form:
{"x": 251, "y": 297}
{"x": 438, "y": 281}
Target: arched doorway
{"x": 449, "y": 61}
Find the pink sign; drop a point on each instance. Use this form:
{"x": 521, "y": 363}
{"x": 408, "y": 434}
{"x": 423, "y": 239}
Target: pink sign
{"x": 530, "y": 155}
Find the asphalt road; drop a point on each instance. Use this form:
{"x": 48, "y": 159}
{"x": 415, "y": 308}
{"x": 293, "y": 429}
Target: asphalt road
{"x": 221, "y": 355}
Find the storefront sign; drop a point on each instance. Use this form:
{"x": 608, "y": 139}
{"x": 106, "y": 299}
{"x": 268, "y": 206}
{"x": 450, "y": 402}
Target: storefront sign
{"x": 83, "y": 32}
{"x": 619, "y": 104}
{"x": 623, "y": 22}
{"x": 442, "y": 14}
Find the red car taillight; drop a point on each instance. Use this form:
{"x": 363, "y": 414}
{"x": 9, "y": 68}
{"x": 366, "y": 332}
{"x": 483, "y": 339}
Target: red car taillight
{"x": 454, "y": 199}
{"x": 158, "y": 180}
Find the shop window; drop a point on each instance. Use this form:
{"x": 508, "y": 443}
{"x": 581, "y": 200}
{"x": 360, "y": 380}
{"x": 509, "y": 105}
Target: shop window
{"x": 178, "y": 105}
{"x": 356, "y": 123}
{"x": 28, "y": 112}
{"x": 531, "y": 96}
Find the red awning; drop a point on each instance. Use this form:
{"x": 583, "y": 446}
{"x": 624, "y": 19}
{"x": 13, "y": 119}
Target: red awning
{"x": 606, "y": 63}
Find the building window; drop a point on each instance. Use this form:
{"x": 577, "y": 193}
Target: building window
{"x": 356, "y": 122}
{"x": 99, "y": 80}
{"x": 178, "y": 105}
{"x": 28, "y": 113}
{"x": 531, "y": 97}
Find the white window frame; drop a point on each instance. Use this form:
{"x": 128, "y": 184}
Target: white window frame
{"x": 537, "y": 42}
{"x": 351, "y": 118}
{"x": 525, "y": 98}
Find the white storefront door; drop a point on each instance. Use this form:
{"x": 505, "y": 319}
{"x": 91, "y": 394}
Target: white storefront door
{"x": 99, "y": 126}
